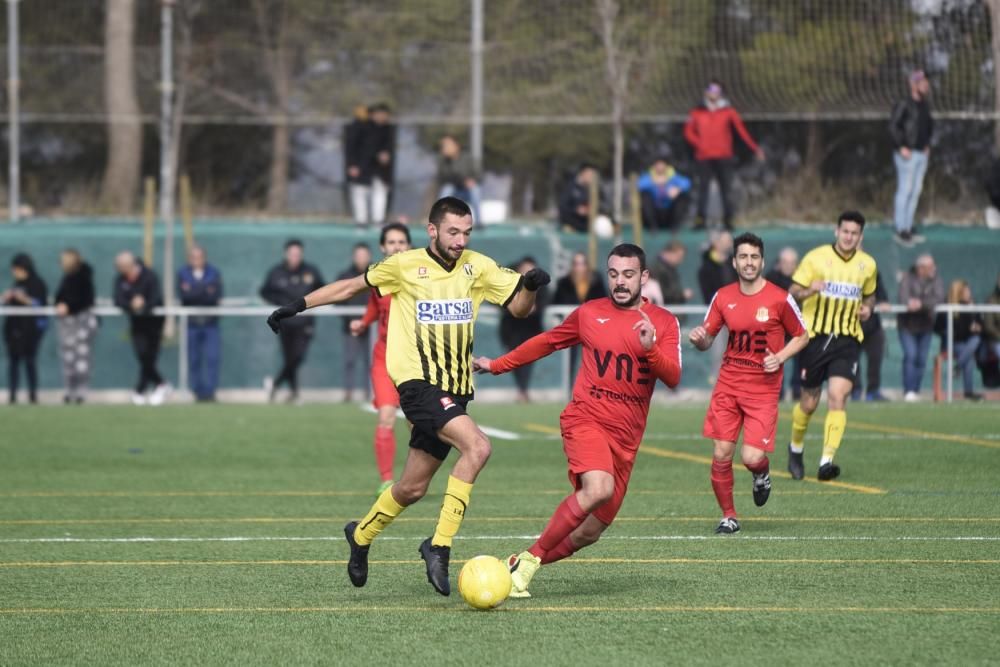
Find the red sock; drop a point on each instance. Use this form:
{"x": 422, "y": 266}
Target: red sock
{"x": 567, "y": 518}
{"x": 564, "y": 550}
{"x": 385, "y": 451}
{"x": 722, "y": 484}
{"x": 760, "y": 468}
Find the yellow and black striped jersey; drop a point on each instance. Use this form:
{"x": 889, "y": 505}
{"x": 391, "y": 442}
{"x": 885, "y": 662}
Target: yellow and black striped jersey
{"x": 848, "y": 281}
{"x": 433, "y": 313}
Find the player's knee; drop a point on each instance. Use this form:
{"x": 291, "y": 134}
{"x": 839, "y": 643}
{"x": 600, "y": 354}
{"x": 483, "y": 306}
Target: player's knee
{"x": 479, "y": 450}
{"x": 407, "y": 492}
{"x": 752, "y": 456}
{"x": 596, "y": 493}
{"x": 387, "y": 421}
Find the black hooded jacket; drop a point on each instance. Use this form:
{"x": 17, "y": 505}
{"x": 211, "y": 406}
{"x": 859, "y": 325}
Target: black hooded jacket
{"x": 76, "y": 289}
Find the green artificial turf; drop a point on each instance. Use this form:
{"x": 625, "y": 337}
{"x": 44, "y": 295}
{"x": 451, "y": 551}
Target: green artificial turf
{"x": 244, "y": 561}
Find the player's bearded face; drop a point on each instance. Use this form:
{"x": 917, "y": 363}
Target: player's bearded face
{"x": 748, "y": 262}
{"x": 451, "y": 236}
{"x": 625, "y": 279}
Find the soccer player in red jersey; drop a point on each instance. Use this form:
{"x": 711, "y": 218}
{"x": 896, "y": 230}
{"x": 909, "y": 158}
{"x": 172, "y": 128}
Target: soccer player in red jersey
{"x": 395, "y": 238}
{"x": 628, "y": 344}
{"x": 759, "y": 316}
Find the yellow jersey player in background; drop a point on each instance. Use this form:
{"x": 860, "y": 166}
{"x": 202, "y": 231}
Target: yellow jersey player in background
{"x": 836, "y": 286}
{"x": 436, "y": 293}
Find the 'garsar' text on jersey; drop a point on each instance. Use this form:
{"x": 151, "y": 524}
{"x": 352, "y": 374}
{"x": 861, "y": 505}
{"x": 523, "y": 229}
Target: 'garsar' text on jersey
{"x": 444, "y": 311}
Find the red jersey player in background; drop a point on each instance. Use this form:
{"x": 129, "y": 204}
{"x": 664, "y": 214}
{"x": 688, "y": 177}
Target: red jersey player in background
{"x": 628, "y": 344}
{"x": 758, "y": 315}
{"x": 395, "y": 238}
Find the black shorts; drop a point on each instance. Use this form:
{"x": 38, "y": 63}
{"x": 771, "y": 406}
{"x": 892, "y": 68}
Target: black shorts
{"x": 828, "y": 356}
{"x": 429, "y": 408}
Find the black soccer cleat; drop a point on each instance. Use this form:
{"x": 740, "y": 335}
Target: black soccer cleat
{"x": 761, "y": 489}
{"x": 795, "y": 465}
{"x": 357, "y": 565}
{"x": 828, "y": 471}
{"x": 436, "y": 559}
{"x": 728, "y": 526}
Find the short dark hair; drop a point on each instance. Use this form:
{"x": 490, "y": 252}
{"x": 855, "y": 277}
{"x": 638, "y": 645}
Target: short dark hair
{"x": 852, "y": 216}
{"x": 446, "y": 205}
{"x": 361, "y": 245}
{"x": 629, "y": 250}
{"x": 290, "y": 242}
{"x": 749, "y": 239}
{"x": 394, "y": 226}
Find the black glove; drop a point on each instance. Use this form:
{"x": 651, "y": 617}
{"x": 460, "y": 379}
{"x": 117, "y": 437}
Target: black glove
{"x": 536, "y": 278}
{"x": 288, "y": 310}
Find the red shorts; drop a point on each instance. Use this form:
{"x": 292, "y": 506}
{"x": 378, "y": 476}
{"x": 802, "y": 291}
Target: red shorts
{"x": 382, "y": 385}
{"x": 588, "y": 447}
{"x": 757, "y": 416}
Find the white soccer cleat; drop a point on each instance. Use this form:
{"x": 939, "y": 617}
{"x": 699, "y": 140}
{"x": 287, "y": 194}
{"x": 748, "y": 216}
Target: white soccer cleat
{"x": 911, "y": 397}
{"x": 522, "y": 568}
{"x": 138, "y": 399}
{"x": 159, "y": 394}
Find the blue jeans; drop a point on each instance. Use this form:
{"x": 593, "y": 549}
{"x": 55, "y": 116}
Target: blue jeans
{"x": 469, "y": 195}
{"x": 204, "y": 354}
{"x": 909, "y": 182}
{"x": 965, "y": 359}
{"x": 915, "y": 349}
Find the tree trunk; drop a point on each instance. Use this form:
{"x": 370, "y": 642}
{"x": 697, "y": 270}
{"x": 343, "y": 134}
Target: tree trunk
{"x": 277, "y": 191}
{"x": 813, "y": 159}
{"x": 121, "y": 175}
{"x": 994, "y": 6}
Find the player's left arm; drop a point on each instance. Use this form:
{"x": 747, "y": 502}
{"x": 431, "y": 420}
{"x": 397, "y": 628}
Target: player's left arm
{"x": 524, "y": 298}
{"x": 663, "y": 348}
{"x": 870, "y": 294}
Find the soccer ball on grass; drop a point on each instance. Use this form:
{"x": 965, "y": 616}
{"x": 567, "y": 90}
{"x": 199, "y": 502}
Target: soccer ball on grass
{"x": 484, "y": 582}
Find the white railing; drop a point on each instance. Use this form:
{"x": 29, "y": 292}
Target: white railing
{"x": 553, "y": 314}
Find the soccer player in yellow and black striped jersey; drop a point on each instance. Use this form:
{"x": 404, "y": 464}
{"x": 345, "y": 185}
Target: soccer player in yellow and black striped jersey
{"x": 836, "y": 286}
{"x": 436, "y": 293}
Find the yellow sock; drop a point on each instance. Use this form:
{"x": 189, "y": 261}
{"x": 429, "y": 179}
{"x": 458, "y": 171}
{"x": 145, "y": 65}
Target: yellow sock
{"x": 800, "y": 422}
{"x": 379, "y": 516}
{"x": 833, "y": 433}
{"x": 456, "y": 499}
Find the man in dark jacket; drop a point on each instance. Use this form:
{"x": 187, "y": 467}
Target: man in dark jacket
{"x": 136, "y": 291}
{"x": 911, "y": 128}
{"x": 716, "y": 271}
{"x": 382, "y": 153}
{"x": 457, "y": 175}
{"x": 356, "y": 349}
{"x": 581, "y": 284}
{"x": 200, "y": 284}
{"x": 781, "y": 275}
{"x": 287, "y": 282}
{"x": 920, "y": 290}
{"x": 357, "y": 164}
{"x": 873, "y": 347}
{"x": 23, "y": 333}
{"x": 76, "y": 323}
{"x": 516, "y": 330}
{"x": 574, "y": 200}
{"x": 709, "y": 131}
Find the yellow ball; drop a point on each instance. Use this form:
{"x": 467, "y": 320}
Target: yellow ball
{"x": 484, "y": 582}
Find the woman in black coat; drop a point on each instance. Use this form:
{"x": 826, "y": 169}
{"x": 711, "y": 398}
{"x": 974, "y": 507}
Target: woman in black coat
{"x": 77, "y": 323}
{"x": 23, "y": 333}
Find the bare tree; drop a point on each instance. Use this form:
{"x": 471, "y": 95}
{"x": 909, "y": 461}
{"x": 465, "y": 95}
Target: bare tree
{"x": 278, "y": 65}
{"x": 121, "y": 174}
{"x": 994, "y": 6}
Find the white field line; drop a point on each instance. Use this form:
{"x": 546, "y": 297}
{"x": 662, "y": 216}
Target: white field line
{"x": 397, "y": 538}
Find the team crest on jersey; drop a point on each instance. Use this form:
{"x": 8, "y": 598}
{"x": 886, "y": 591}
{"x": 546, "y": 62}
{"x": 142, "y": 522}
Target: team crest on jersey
{"x": 468, "y": 269}
{"x": 763, "y": 315}
{"x": 422, "y": 272}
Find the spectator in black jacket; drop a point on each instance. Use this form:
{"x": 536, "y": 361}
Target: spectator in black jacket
{"x": 665, "y": 269}
{"x": 136, "y": 291}
{"x": 716, "y": 271}
{"x": 383, "y": 154}
{"x": 356, "y": 349}
{"x": 516, "y": 330}
{"x": 23, "y": 333}
{"x": 286, "y": 282}
{"x": 781, "y": 275}
{"x": 574, "y": 200}
{"x": 911, "y": 128}
{"x": 581, "y": 284}
{"x": 77, "y": 323}
{"x": 873, "y": 347}
{"x": 199, "y": 284}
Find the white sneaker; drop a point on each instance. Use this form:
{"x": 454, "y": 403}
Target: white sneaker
{"x": 159, "y": 394}
{"x": 138, "y": 399}
{"x": 911, "y": 397}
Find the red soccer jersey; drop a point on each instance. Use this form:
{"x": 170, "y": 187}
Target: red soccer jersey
{"x": 617, "y": 376}
{"x": 378, "y": 309}
{"x": 756, "y": 323}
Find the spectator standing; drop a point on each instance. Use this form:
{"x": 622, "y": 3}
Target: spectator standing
{"x": 574, "y": 200}
{"x": 457, "y": 176}
{"x": 664, "y": 196}
{"x": 356, "y": 349}
{"x": 136, "y": 291}
{"x": 23, "y": 333}
{"x": 665, "y": 270}
{"x": 911, "y": 128}
{"x": 76, "y": 323}
{"x": 873, "y": 347}
{"x": 920, "y": 290}
{"x": 709, "y": 131}
{"x": 200, "y": 284}
{"x": 356, "y": 164}
{"x": 382, "y": 155}
{"x": 991, "y": 321}
{"x": 781, "y": 275}
{"x": 967, "y": 329}
{"x": 515, "y": 330}
{"x": 581, "y": 284}
{"x": 286, "y": 282}
{"x": 716, "y": 271}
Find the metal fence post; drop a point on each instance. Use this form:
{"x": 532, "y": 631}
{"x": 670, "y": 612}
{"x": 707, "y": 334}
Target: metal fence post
{"x": 949, "y": 369}
{"x": 14, "y": 114}
{"x": 182, "y": 352}
{"x": 476, "y": 122}
{"x": 166, "y": 168}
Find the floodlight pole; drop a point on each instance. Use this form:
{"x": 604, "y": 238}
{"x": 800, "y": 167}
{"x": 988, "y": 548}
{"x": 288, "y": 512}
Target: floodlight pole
{"x": 476, "y": 122}
{"x": 167, "y": 188}
{"x": 13, "y": 114}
